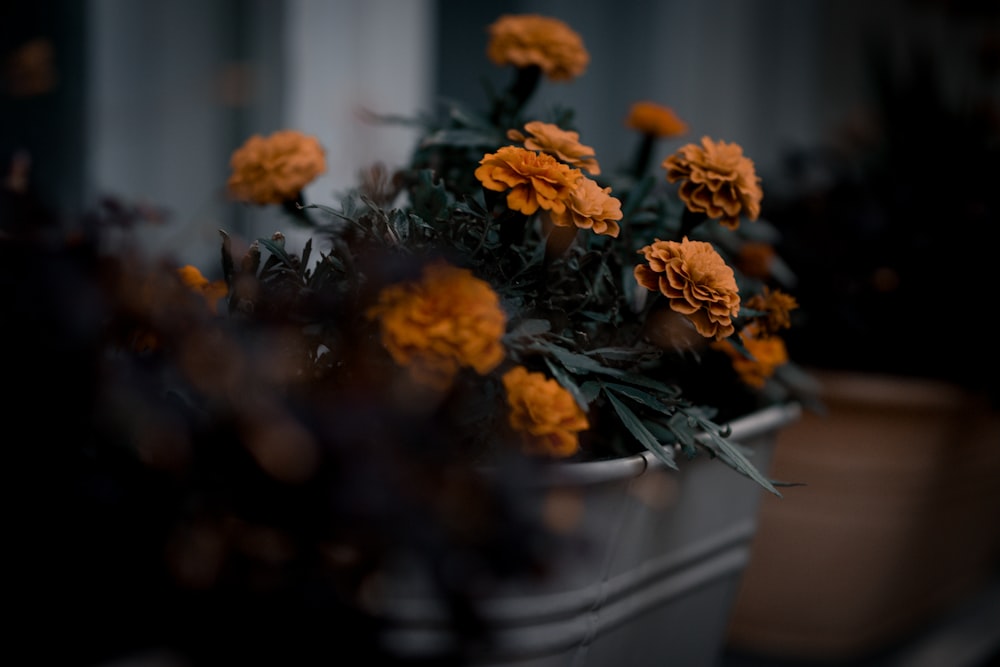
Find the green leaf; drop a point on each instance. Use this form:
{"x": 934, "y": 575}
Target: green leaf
{"x": 278, "y": 252}
{"x": 591, "y": 389}
{"x": 636, "y": 195}
{"x": 641, "y": 433}
{"x": 603, "y": 317}
{"x": 530, "y": 328}
{"x": 574, "y": 361}
{"x": 306, "y": 252}
{"x": 469, "y": 138}
{"x": 730, "y": 453}
{"x": 645, "y": 398}
{"x": 227, "y": 258}
{"x": 569, "y": 385}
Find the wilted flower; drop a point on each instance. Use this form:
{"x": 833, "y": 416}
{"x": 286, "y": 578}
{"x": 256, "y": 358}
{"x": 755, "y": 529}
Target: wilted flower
{"x": 535, "y": 180}
{"x": 275, "y": 169}
{"x": 447, "y": 320}
{"x": 655, "y": 119}
{"x": 696, "y": 281}
{"x": 717, "y": 180}
{"x": 590, "y": 206}
{"x": 562, "y": 144}
{"x": 526, "y": 40}
{"x": 545, "y": 414}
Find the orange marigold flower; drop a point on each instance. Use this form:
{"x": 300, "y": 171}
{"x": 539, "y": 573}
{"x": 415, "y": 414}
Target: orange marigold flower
{"x": 524, "y": 40}
{"x": 545, "y": 414}
{"x": 655, "y": 119}
{"x": 590, "y": 206}
{"x": 696, "y": 281}
{"x": 535, "y": 180}
{"x": 767, "y": 353}
{"x": 211, "y": 291}
{"x": 777, "y": 306}
{"x": 562, "y": 144}
{"x": 275, "y": 169}
{"x": 717, "y": 180}
{"x": 755, "y": 259}
{"x": 447, "y": 320}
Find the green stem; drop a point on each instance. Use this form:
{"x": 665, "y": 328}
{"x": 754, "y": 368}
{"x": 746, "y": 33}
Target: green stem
{"x": 512, "y": 226}
{"x": 509, "y": 105}
{"x": 295, "y": 207}
{"x": 689, "y": 221}
{"x": 643, "y": 155}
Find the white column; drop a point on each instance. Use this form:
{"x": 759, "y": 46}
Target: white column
{"x": 350, "y": 55}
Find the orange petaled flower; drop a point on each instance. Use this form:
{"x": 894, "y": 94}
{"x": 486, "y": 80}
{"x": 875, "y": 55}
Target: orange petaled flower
{"x": 767, "y": 353}
{"x": 696, "y": 281}
{"x": 535, "y": 180}
{"x": 211, "y": 291}
{"x": 717, "y": 180}
{"x": 655, "y": 119}
{"x": 275, "y": 169}
{"x": 524, "y": 40}
{"x": 563, "y": 144}
{"x": 755, "y": 259}
{"x": 544, "y": 413}
{"x": 777, "y": 306}
{"x": 590, "y": 206}
{"x": 448, "y": 320}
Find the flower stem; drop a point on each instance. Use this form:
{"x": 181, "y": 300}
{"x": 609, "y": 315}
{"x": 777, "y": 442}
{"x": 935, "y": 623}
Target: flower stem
{"x": 643, "y": 155}
{"x": 295, "y": 207}
{"x": 690, "y": 221}
{"x": 509, "y": 105}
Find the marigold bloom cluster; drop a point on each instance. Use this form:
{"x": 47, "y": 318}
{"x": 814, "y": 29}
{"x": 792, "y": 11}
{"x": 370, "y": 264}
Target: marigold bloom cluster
{"x": 544, "y": 413}
{"x": 524, "y": 40}
{"x": 777, "y": 306}
{"x": 589, "y": 206}
{"x": 717, "y": 180}
{"x": 696, "y": 281}
{"x": 655, "y": 119}
{"x": 562, "y": 144}
{"x": 534, "y": 180}
{"x": 275, "y": 169}
{"x": 447, "y": 320}
{"x": 767, "y": 353}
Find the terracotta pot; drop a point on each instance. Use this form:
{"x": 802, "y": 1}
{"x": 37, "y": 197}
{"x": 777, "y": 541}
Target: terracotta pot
{"x": 897, "y": 522}
{"x": 645, "y": 565}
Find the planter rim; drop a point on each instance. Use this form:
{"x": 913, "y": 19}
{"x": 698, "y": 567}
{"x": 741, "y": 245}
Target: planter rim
{"x": 611, "y": 470}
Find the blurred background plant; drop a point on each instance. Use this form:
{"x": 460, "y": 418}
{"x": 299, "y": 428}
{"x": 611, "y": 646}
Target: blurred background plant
{"x": 889, "y": 225}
